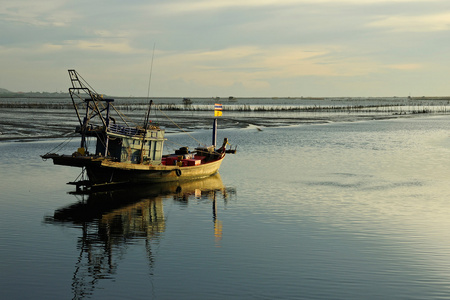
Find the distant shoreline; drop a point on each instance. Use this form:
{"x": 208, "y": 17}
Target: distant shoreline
{"x": 58, "y": 95}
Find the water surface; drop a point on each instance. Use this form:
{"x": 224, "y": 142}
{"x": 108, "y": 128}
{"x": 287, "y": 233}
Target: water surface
{"x": 339, "y": 210}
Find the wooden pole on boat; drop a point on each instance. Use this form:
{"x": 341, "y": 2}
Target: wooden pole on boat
{"x": 83, "y": 127}
{"x": 107, "y": 126}
{"x": 145, "y": 130}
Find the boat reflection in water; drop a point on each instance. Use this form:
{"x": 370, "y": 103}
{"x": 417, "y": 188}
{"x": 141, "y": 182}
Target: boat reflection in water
{"x": 112, "y": 219}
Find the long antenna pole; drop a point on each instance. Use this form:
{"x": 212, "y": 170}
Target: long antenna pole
{"x": 148, "y": 91}
{"x": 151, "y": 70}
{"x": 149, "y": 106}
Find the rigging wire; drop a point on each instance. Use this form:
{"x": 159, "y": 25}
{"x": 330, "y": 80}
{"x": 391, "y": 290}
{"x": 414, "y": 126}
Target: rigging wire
{"x": 173, "y": 122}
{"x": 60, "y": 145}
{"x": 87, "y": 84}
{"x": 178, "y": 145}
{"x": 122, "y": 116}
{"x": 148, "y": 95}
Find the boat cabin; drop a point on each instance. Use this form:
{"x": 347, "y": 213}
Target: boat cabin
{"x": 133, "y": 144}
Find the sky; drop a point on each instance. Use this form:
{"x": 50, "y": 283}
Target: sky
{"x": 222, "y": 48}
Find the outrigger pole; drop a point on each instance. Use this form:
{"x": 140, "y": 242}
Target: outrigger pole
{"x": 79, "y": 89}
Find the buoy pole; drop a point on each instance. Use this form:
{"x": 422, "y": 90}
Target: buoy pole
{"x": 217, "y": 113}
{"x": 214, "y": 136}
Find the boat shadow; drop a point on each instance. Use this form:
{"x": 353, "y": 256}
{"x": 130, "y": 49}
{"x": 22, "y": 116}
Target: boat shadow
{"x": 113, "y": 219}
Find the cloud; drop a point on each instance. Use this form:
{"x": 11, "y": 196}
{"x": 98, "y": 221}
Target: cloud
{"x": 414, "y": 23}
{"x": 253, "y": 66}
{"x": 37, "y": 13}
{"x": 104, "y": 46}
{"x": 208, "y": 5}
{"x": 406, "y": 67}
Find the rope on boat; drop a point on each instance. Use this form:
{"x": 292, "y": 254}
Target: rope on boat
{"x": 60, "y": 145}
{"x": 178, "y": 145}
{"x": 86, "y": 83}
{"x": 200, "y": 143}
{"x": 121, "y": 115}
{"x": 81, "y": 176}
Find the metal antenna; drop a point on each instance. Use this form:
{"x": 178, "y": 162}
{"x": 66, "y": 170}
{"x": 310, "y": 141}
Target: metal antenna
{"x": 151, "y": 69}
{"x": 149, "y": 106}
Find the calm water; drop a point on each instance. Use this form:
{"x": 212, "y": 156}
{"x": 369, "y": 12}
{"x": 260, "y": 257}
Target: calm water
{"x": 346, "y": 210}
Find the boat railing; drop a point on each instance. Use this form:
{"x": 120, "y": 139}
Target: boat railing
{"x": 124, "y": 130}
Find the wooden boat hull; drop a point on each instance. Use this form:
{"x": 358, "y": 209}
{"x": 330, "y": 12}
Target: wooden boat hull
{"x": 101, "y": 170}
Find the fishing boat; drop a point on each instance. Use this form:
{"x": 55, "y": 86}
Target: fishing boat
{"x": 130, "y": 154}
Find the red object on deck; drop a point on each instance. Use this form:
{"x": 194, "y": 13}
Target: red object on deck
{"x": 170, "y": 160}
{"x": 191, "y": 162}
